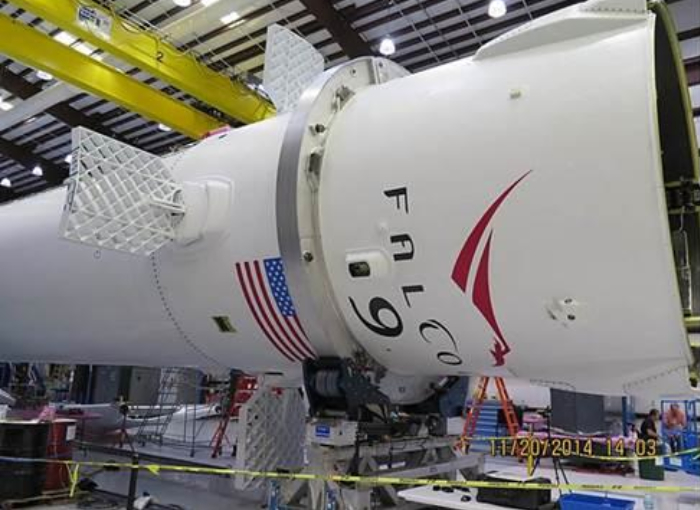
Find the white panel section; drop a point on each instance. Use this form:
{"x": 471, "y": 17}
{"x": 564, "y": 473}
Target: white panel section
{"x": 250, "y": 34}
{"x": 690, "y": 48}
{"x": 56, "y": 141}
{"x": 241, "y": 33}
{"x": 319, "y": 36}
{"x": 119, "y": 197}
{"x": 291, "y": 64}
{"x": 199, "y": 20}
{"x": 36, "y": 104}
{"x": 686, "y": 14}
{"x": 27, "y": 126}
{"x": 695, "y": 95}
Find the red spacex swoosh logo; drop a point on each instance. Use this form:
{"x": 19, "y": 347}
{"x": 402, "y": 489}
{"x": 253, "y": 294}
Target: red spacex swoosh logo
{"x": 481, "y": 286}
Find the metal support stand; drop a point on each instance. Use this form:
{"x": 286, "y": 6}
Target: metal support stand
{"x": 412, "y": 457}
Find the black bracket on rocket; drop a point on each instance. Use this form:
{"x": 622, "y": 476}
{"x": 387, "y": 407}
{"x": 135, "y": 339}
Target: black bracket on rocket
{"x": 336, "y": 386}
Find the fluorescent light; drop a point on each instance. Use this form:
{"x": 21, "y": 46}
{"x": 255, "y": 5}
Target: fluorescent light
{"x": 43, "y": 75}
{"x": 182, "y": 3}
{"x": 230, "y": 18}
{"x": 207, "y": 3}
{"x": 165, "y": 128}
{"x": 497, "y": 8}
{"x": 83, "y": 48}
{"x": 37, "y": 170}
{"x": 68, "y": 159}
{"x": 387, "y": 47}
{"x": 5, "y": 183}
{"x": 5, "y": 106}
{"x": 65, "y": 38}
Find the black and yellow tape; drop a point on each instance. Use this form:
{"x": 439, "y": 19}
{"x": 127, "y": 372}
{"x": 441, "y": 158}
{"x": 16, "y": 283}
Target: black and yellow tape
{"x": 74, "y": 467}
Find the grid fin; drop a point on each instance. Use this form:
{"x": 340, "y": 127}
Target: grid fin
{"x": 119, "y": 197}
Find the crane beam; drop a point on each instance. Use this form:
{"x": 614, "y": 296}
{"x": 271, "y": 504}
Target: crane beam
{"x": 41, "y": 51}
{"x": 151, "y": 53}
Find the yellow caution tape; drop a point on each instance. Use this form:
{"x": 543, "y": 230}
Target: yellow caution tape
{"x": 364, "y": 480}
{"x": 74, "y": 476}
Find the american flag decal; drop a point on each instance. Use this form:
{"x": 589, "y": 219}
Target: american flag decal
{"x": 265, "y": 290}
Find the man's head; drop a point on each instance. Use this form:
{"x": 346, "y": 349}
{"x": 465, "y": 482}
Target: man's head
{"x": 654, "y": 413}
{"x": 675, "y": 407}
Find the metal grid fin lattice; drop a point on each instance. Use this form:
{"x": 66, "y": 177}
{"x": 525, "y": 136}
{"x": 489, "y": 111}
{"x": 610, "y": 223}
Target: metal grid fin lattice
{"x": 271, "y": 432}
{"x": 291, "y": 65}
{"x": 119, "y": 197}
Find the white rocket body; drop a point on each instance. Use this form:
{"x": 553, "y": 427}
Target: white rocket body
{"x": 503, "y": 214}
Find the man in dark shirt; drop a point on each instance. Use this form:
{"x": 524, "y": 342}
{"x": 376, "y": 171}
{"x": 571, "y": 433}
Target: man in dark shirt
{"x": 648, "y": 428}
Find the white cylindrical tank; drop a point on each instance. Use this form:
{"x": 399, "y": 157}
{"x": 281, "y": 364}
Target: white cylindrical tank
{"x": 71, "y": 303}
{"x": 503, "y": 214}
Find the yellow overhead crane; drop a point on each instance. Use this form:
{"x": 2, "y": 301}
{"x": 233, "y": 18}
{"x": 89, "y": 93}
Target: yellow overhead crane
{"x": 150, "y": 53}
{"x": 40, "y": 51}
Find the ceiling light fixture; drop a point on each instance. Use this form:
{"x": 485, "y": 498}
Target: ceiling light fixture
{"x": 65, "y": 38}
{"x": 387, "y": 47}
{"x": 164, "y": 128}
{"x": 82, "y": 48}
{"x": 68, "y": 159}
{"x": 5, "y": 106}
{"x": 230, "y": 18}
{"x": 43, "y": 75}
{"x": 6, "y": 183}
{"x": 182, "y": 3}
{"x": 497, "y": 8}
{"x": 207, "y": 3}
{"x": 38, "y": 171}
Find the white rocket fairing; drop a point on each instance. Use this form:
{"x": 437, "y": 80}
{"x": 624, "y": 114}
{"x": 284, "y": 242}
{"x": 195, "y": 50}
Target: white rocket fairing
{"x": 504, "y": 214}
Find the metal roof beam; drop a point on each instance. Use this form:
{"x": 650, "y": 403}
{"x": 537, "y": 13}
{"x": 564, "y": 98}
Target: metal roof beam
{"x": 41, "y": 51}
{"x": 152, "y": 54}
{"x": 339, "y": 27}
{"x": 53, "y": 174}
{"x": 73, "y": 117}
{"x": 692, "y": 71}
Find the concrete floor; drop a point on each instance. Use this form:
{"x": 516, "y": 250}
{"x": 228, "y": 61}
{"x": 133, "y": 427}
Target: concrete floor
{"x": 203, "y": 492}
{"x": 672, "y": 478}
{"x": 190, "y": 492}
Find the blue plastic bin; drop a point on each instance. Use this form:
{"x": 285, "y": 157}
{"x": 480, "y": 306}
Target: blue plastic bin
{"x": 586, "y": 502}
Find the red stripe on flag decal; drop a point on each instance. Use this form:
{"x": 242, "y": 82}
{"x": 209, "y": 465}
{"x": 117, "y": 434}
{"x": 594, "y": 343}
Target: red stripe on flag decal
{"x": 281, "y": 333}
{"x": 301, "y": 328}
{"x": 263, "y": 314}
{"x": 247, "y": 287}
{"x": 300, "y": 337}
